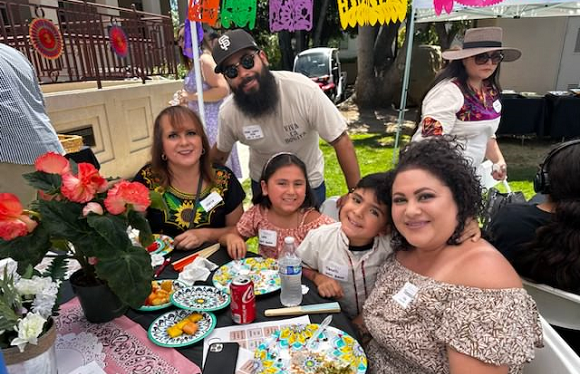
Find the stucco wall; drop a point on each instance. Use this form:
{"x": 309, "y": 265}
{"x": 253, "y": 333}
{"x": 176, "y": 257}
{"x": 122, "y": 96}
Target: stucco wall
{"x": 121, "y": 118}
{"x": 541, "y": 41}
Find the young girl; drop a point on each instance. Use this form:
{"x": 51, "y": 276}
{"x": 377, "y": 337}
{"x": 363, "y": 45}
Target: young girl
{"x": 284, "y": 207}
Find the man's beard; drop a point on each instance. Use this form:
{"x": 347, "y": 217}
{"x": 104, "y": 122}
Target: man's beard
{"x": 262, "y": 101}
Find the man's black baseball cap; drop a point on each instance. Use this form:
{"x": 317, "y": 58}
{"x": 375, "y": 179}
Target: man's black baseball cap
{"x": 230, "y": 43}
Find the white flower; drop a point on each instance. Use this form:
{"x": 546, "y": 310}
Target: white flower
{"x": 27, "y": 287}
{"x": 29, "y": 328}
{"x": 45, "y": 299}
{"x": 10, "y": 265}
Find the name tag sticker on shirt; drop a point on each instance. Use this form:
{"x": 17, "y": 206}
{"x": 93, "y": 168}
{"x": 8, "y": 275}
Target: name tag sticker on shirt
{"x": 336, "y": 271}
{"x": 268, "y": 238}
{"x": 497, "y": 106}
{"x": 406, "y": 294}
{"x": 253, "y": 132}
{"x": 210, "y": 201}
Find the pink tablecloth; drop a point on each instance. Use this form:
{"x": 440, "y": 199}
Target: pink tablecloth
{"x": 125, "y": 344}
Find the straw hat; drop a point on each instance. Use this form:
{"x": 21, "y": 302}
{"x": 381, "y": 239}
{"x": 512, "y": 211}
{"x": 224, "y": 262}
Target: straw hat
{"x": 482, "y": 40}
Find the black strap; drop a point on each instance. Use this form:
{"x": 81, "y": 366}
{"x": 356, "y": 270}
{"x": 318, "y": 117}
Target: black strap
{"x": 482, "y": 44}
{"x": 194, "y": 209}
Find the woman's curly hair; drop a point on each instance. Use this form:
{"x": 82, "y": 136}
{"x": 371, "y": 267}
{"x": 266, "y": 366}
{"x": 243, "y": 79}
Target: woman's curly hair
{"x": 442, "y": 157}
{"x": 553, "y": 257}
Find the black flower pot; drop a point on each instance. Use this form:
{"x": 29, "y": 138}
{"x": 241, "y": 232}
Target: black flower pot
{"x": 99, "y": 303}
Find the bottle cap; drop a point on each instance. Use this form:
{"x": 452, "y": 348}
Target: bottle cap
{"x": 289, "y": 240}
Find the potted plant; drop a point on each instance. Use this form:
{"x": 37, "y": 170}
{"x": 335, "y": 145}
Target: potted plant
{"x": 78, "y": 216}
{"x": 27, "y": 330}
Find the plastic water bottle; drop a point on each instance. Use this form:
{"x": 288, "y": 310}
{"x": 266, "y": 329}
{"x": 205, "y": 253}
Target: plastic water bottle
{"x": 290, "y": 269}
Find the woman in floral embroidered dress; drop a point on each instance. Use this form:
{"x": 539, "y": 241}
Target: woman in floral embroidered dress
{"x": 440, "y": 306}
{"x": 464, "y": 97}
{"x": 180, "y": 169}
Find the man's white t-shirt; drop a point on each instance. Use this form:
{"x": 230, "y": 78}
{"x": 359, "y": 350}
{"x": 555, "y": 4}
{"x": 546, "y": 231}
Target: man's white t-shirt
{"x": 303, "y": 115}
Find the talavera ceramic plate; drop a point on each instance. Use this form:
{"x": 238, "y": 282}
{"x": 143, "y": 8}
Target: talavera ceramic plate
{"x": 163, "y": 243}
{"x": 158, "y": 330}
{"x": 151, "y": 308}
{"x": 262, "y": 271}
{"x": 284, "y": 352}
{"x": 200, "y": 298}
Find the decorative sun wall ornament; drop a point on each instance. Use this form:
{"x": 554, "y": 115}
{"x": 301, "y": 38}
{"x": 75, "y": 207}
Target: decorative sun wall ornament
{"x": 45, "y": 38}
{"x": 206, "y": 11}
{"x": 439, "y": 5}
{"x": 119, "y": 41}
{"x": 290, "y": 15}
{"x": 369, "y": 12}
{"x": 241, "y": 13}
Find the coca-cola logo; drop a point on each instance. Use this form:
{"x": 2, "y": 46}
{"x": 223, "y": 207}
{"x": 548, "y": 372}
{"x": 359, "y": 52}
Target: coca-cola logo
{"x": 248, "y": 295}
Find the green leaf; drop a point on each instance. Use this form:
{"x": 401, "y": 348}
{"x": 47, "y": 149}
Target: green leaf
{"x": 57, "y": 268}
{"x": 49, "y": 183}
{"x": 62, "y": 220}
{"x": 8, "y": 318}
{"x": 29, "y": 249}
{"x": 112, "y": 229}
{"x": 138, "y": 221}
{"x": 128, "y": 274}
{"x": 157, "y": 201}
{"x": 9, "y": 302}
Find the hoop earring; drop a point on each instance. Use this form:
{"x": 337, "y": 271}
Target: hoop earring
{"x": 164, "y": 157}
{"x": 203, "y": 151}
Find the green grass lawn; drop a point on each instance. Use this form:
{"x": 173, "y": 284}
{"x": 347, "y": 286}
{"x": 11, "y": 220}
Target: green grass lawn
{"x": 375, "y": 154}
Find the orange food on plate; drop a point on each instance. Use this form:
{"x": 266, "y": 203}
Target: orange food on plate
{"x": 190, "y": 328}
{"x": 160, "y": 293}
{"x": 187, "y": 325}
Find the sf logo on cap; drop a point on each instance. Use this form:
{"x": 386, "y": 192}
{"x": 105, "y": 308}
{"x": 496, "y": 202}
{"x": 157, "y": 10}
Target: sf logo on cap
{"x": 224, "y": 42}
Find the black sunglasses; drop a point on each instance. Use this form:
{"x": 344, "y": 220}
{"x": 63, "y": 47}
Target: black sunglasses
{"x": 482, "y": 58}
{"x": 247, "y": 62}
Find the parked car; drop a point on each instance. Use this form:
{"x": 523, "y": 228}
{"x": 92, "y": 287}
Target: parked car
{"x": 323, "y": 67}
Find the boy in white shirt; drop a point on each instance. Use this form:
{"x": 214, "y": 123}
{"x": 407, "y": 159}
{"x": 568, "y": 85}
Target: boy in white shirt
{"x": 343, "y": 258}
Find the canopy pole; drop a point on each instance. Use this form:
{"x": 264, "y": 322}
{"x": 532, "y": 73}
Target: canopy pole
{"x": 406, "y": 74}
{"x": 197, "y": 68}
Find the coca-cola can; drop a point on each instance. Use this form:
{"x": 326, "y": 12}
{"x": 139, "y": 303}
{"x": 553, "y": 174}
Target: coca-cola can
{"x": 243, "y": 300}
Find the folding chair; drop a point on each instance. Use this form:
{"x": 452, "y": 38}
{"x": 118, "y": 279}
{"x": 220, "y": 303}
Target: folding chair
{"x": 555, "y": 357}
{"x": 559, "y": 308}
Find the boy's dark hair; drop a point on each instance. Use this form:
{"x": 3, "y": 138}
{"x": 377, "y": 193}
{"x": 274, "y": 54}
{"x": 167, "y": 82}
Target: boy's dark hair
{"x": 380, "y": 183}
{"x": 276, "y": 162}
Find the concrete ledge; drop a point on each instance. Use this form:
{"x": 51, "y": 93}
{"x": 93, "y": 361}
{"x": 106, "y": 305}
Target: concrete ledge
{"x": 121, "y": 117}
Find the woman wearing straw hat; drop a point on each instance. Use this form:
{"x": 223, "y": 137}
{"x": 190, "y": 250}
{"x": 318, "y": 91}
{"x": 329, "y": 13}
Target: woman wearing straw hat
{"x": 463, "y": 100}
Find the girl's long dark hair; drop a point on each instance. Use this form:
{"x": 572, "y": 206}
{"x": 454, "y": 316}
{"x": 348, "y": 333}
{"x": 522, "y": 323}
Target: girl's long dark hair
{"x": 456, "y": 69}
{"x": 553, "y": 257}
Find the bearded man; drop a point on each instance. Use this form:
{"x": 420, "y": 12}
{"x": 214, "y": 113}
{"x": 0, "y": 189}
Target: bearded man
{"x": 277, "y": 111}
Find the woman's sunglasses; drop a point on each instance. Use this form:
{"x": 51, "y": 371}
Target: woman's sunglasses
{"x": 482, "y": 58}
{"x": 247, "y": 62}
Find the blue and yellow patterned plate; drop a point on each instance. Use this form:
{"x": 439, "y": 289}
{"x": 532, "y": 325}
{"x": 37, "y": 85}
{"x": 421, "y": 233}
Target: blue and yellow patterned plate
{"x": 157, "y": 332}
{"x": 284, "y": 352}
{"x": 200, "y": 298}
{"x": 263, "y": 271}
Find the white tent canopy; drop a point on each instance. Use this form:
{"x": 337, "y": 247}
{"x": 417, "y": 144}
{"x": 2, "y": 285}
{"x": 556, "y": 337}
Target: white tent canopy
{"x": 424, "y": 11}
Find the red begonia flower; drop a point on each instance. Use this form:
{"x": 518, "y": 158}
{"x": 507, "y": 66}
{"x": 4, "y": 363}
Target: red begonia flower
{"x": 52, "y": 163}
{"x": 124, "y": 193}
{"x": 82, "y": 188}
{"x": 12, "y": 222}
